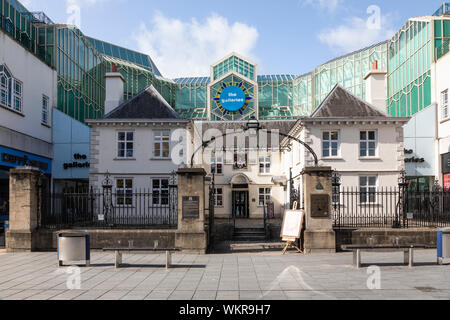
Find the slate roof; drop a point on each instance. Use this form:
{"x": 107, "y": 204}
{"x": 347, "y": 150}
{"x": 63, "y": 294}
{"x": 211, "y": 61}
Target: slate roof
{"x": 341, "y": 103}
{"x": 148, "y": 104}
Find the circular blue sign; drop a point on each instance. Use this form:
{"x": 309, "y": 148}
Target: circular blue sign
{"x": 232, "y": 98}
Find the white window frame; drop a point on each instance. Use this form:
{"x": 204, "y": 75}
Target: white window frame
{"x": 238, "y": 155}
{"x": 267, "y": 196}
{"x": 125, "y": 143}
{"x": 124, "y": 190}
{"x": 160, "y": 190}
{"x": 4, "y": 89}
{"x": 158, "y": 139}
{"x": 216, "y": 160}
{"x": 444, "y": 105}
{"x": 265, "y": 164}
{"x": 330, "y": 144}
{"x": 366, "y": 142}
{"x": 45, "y": 110}
{"x": 365, "y": 189}
{"x": 8, "y": 89}
{"x": 216, "y": 197}
{"x": 17, "y": 95}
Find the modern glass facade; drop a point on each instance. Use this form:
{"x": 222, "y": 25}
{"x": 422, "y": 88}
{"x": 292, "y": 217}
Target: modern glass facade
{"x": 81, "y": 63}
{"x": 80, "y": 68}
{"x": 234, "y": 63}
{"x": 111, "y": 50}
{"x": 348, "y": 71}
{"x": 409, "y": 75}
{"x": 15, "y": 20}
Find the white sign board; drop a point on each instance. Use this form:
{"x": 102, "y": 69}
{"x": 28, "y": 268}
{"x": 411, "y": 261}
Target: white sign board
{"x": 292, "y": 224}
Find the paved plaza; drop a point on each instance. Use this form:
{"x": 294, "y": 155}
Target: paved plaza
{"x": 257, "y": 276}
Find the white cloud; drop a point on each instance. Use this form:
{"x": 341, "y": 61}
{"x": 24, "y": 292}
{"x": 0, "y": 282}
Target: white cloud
{"x": 188, "y": 48}
{"x": 329, "y": 5}
{"x": 356, "y": 33}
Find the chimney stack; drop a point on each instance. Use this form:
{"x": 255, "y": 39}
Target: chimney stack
{"x": 376, "y": 88}
{"x": 114, "y": 83}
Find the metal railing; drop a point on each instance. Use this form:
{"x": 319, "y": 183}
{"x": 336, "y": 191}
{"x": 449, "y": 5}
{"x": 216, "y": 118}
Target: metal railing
{"x": 138, "y": 209}
{"x": 391, "y": 208}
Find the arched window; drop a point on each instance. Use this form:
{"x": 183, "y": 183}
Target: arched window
{"x": 11, "y": 90}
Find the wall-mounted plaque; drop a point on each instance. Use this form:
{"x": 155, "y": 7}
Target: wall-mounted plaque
{"x": 320, "y": 206}
{"x": 191, "y": 207}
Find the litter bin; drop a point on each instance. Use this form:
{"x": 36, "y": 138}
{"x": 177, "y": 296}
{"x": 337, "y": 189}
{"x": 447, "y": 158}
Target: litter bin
{"x": 443, "y": 245}
{"x": 73, "y": 246}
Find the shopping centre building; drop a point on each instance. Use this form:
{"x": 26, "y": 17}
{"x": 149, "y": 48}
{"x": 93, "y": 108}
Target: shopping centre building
{"x": 411, "y": 58}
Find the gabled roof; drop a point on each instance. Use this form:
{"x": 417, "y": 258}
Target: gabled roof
{"x": 341, "y": 103}
{"x": 148, "y": 104}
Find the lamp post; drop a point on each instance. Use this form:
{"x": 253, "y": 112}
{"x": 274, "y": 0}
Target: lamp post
{"x": 402, "y": 202}
{"x": 107, "y": 198}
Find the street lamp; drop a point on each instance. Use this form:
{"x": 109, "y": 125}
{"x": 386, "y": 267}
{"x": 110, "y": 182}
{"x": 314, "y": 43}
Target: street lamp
{"x": 253, "y": 124}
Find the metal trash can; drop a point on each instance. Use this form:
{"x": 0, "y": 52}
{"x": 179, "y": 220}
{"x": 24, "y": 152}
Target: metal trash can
{"x": 443, "y": 245}
{"x": 73, "y": 246}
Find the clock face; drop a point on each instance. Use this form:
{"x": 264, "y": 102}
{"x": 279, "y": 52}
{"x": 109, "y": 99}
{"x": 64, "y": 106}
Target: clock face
{"x": 232, "y": 99}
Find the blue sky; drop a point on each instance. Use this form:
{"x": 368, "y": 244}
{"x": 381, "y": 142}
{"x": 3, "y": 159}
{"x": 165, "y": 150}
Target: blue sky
{"x": 288, "y": 36}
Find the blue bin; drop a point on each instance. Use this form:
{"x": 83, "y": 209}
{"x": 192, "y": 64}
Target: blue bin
{"x": 443, "y": 245}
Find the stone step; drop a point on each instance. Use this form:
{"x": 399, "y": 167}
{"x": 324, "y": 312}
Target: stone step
{"x": 256, "y": 246}
{"x": 249, "y": 238}
{"x": 248, "y": 230}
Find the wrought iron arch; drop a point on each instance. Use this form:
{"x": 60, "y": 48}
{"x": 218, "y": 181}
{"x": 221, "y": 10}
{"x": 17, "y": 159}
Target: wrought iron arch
{"x": 205, "y": 144}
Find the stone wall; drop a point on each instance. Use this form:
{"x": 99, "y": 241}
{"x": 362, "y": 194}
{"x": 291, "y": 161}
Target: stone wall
{"x": 46, "y": 239}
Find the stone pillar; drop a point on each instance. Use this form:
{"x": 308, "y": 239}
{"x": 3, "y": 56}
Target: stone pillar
{"x": 191, "y": 235}
{"x": 23, "y": 210}
{"x": 318, "y": 190}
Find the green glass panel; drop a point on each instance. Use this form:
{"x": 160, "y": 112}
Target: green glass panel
{"x": 420, "y": 90}
{"x": 447, "y": 28}
{"x": 414, "y": 100}
{"x": 427, "y": 92}
{"x": 438, "y": 28}
{"x": 71, "y": 104}
{"x": 50, "y": 36}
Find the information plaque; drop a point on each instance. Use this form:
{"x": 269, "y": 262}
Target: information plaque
{"x": 191, "y": 207}
{"x": 320, "y": 206}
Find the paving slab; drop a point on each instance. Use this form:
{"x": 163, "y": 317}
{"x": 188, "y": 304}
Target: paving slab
{"x": 257, "y": 276}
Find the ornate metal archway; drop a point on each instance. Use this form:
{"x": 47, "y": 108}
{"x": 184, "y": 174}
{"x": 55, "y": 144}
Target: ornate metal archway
{"x": 253, "y": 124}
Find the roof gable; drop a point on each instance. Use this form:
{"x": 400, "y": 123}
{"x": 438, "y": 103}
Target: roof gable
{"x": 341, "y": 103}
{"x": 148, "y": 104}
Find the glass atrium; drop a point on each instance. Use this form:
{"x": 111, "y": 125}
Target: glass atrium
{"x": 81, "y": 63}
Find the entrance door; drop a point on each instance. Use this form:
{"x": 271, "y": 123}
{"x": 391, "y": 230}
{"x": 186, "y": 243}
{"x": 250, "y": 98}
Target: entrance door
{"x": 240, "y": 204}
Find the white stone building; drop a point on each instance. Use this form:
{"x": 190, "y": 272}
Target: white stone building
{"x": 141, "y": 142}
{"x": 354, "y": 138}
{"x": 135, "y": 141}
{"x": 27, "y": 96}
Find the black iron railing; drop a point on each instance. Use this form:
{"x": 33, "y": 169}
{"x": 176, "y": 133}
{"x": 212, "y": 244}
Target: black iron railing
{"x": 138, "y": 209}
{"x": 391, "y": 208}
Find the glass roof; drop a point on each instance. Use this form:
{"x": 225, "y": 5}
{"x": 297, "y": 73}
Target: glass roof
{"x": 193, "y": 80}
{"x": 444, "y": 9}
{"x": 264, "y": 78}
{"x": 276, "y": 78}
{"x": 135, "y": 57}
{"x": 18, "y": 6}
